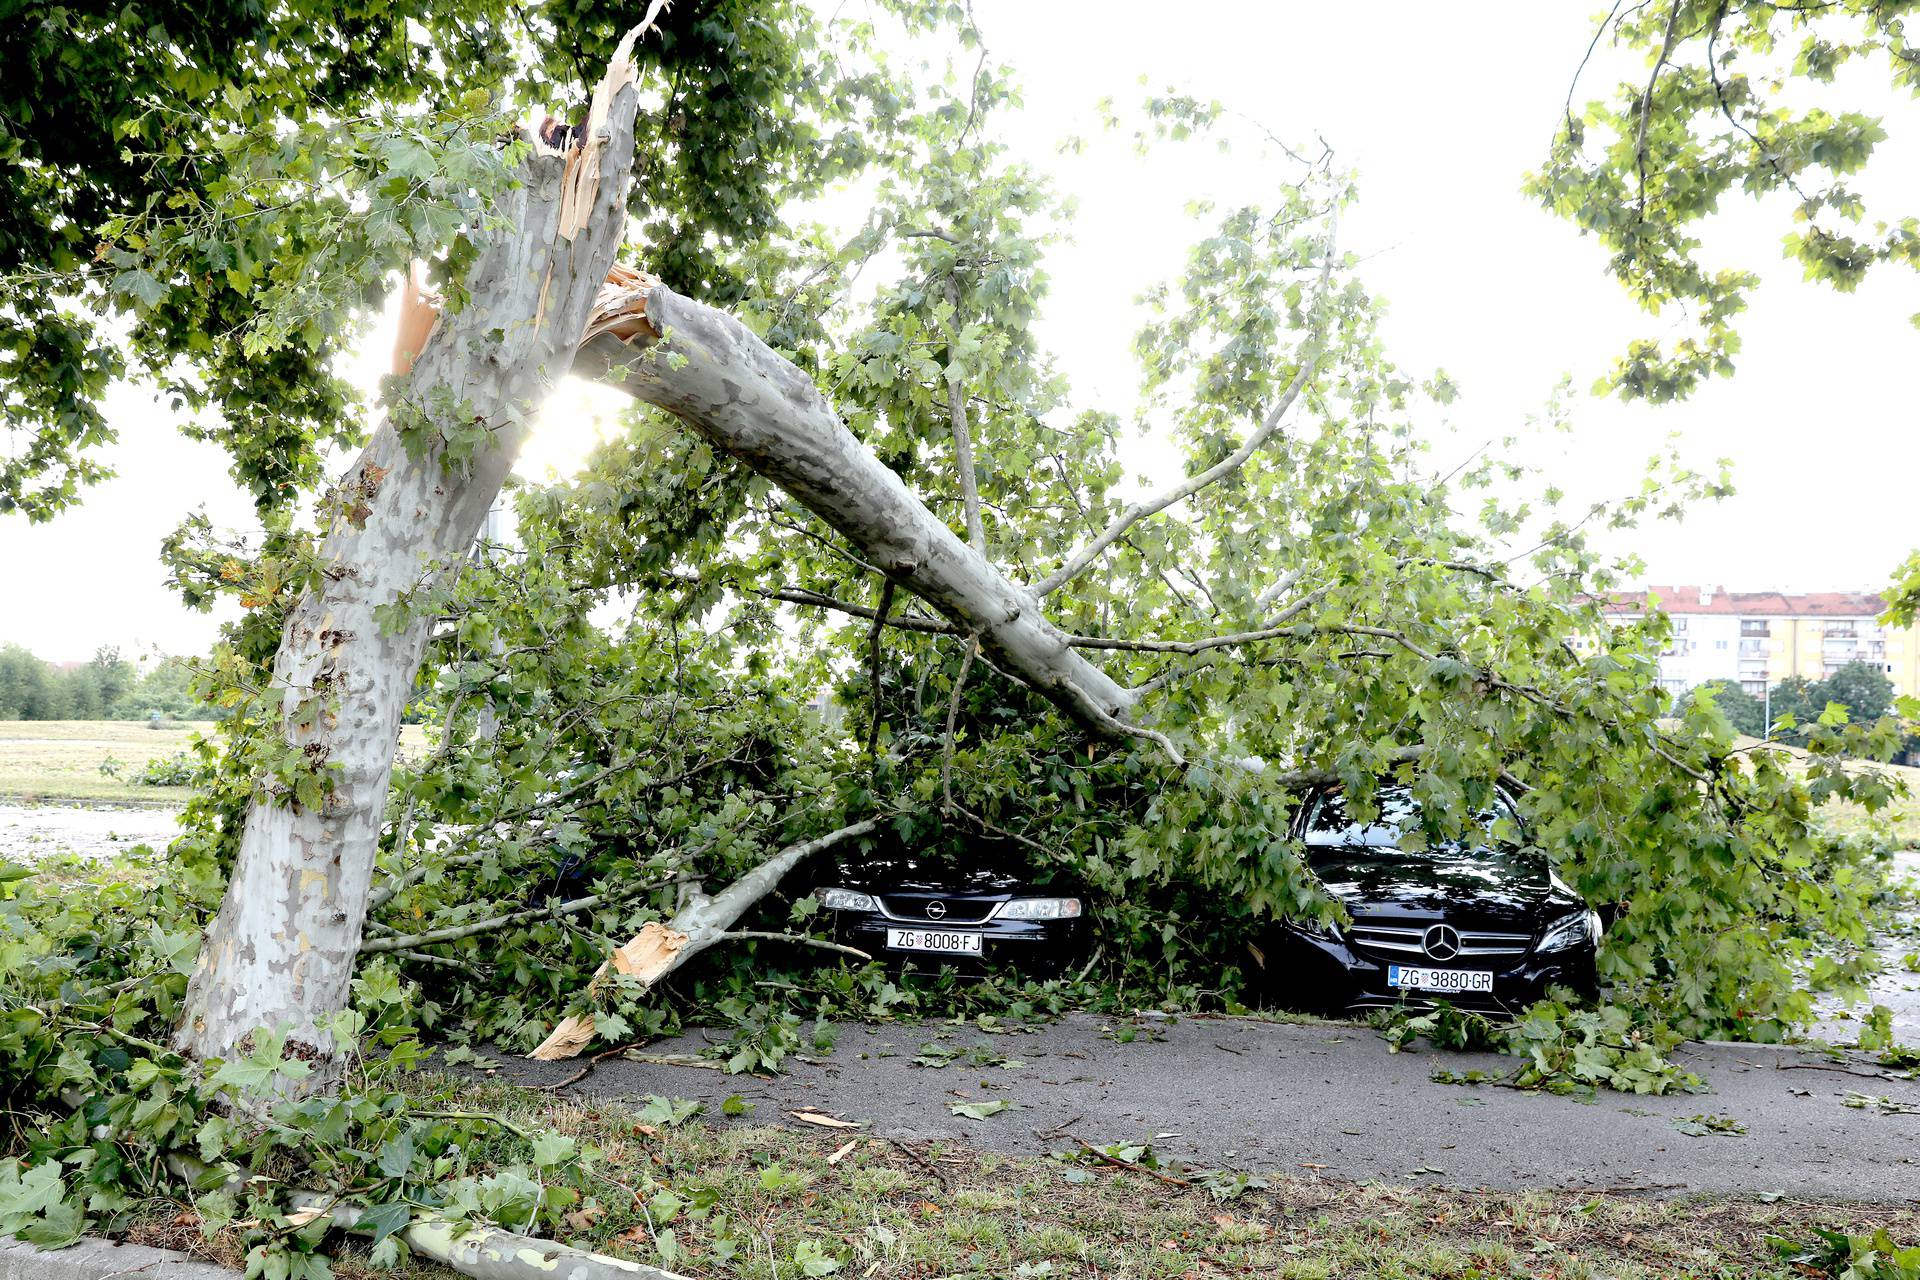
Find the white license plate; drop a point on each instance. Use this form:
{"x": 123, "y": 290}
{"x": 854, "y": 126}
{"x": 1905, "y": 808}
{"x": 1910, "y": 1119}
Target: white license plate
{"x": 948, "y": 940}
{"x": 1414, "y": 978}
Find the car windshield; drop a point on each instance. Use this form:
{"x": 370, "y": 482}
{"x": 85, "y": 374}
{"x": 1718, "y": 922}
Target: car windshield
{"x": 1332, "y": 825}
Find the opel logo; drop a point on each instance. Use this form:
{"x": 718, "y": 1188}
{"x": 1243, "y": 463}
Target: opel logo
{"x": 1442, "y": 942}
{"x": 936, "y": 910}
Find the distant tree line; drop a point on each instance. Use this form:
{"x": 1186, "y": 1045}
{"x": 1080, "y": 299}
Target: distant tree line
{"x": 1861, "y": 687}
{"x": 107, "y": 688}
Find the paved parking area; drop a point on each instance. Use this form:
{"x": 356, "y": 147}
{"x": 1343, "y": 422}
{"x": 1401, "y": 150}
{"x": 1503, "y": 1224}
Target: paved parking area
{"x": 1256, "y": 1095}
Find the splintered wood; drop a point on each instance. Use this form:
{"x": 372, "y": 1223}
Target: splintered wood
{"x": 582, "y": 180}
{"x": 419, "y": 314}
{"x": 621, "y": 306}
{"x": 648, "y": 955}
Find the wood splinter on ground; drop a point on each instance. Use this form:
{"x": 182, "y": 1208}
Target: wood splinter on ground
{"x": 648, "y": 955}
{"x": 659, "y": 949}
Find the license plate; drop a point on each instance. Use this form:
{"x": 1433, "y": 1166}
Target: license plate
{"x": 948, "y": 940}
{"x": 1414, "y": 978}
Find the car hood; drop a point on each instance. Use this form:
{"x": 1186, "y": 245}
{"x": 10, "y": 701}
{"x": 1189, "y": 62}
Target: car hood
{"x": 916, "y": 873}
{"x": 1470, "y": 883}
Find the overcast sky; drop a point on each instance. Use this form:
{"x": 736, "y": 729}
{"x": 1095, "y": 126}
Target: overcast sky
{"x": 1442, "y": 109}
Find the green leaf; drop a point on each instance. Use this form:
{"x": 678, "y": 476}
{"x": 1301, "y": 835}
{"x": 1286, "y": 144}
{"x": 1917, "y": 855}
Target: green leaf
{"x": 396, "y": 1156}
{"x": 812, "y": 1259}
{"x": 386, "y": 1219}
{"x": 668, "y": 1112}
{"x": 550, "y": 1149}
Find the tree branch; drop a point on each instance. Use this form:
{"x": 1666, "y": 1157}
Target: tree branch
{"x": 901, "y": 621}
{"x": 1134, "y": 514}
{"x": 454, "y": 933}
{"x": 732, "y": 389}
{"x": 962, "y": 435}
{"x": 1324, "y": 776}
{"x": 1646, "y": 107}
{"x": 1274, "y": 631}
{"x": 798, "y": 939}
{"x": 953, "y": 715}
{"x": 873, "y": 645}
{"x": 659, "y": 949}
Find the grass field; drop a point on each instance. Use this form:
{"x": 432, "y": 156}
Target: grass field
{"x": 60, "y": 760}
{"x": 769, "y": 1203}
{"x": 1903, "y": 816}
{"x": 43, "y": 760}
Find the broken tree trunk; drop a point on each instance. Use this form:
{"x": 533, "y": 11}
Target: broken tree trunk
{"x": 659, "y": 949}
{"x": 280, "y": 953}
{"x": 484, "y": 1252}
{"x": 748, "y": 401}
{"x": 475, "y": 1249}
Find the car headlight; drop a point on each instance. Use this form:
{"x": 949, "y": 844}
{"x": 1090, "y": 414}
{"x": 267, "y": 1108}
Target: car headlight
{"x": 1577, "y": 929}
{"x": 846, "y": 900}
{"x": 1038, "y": 909}
{"x": 1317, "y": 929}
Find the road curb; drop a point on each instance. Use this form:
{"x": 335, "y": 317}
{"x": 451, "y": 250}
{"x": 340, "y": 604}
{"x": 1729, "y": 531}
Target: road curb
{"x": 103, "y": 1260}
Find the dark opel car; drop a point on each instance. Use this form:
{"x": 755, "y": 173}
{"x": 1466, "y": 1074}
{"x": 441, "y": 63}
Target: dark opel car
{"x": 1481, "y": 922}
{"x": 989, "y": 908}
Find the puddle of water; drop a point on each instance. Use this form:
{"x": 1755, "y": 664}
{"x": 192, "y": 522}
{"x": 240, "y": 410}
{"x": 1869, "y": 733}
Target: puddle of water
{"x": 29, "y": 833}
{"x": 1896, "y": 986}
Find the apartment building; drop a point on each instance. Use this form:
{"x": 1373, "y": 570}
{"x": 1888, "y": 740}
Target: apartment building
{"x": 1759, "y": 638}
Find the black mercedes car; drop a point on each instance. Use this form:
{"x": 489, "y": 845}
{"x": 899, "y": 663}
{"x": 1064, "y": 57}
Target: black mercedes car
{"x": 1479, "y": 921}
{"x": 930, "y": 909}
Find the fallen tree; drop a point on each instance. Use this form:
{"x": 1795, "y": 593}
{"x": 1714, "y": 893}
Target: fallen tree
{"x": 856, "y": 569}
{"x": 280, "y": 954}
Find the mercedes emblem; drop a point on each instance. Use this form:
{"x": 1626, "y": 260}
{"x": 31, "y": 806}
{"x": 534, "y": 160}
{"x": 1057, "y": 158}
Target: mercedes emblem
{"x": 1442, "y": 942}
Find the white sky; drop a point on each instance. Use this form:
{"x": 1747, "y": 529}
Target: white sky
{"x": 1442, "y": 109}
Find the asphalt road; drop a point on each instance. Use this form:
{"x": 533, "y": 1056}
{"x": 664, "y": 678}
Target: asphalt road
{"x": 1230, "y": 1093}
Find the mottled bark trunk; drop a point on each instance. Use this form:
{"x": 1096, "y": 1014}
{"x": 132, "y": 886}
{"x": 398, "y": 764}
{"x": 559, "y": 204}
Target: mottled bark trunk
{"x": 280, "y": 953}
{"x": 750, "y": 402}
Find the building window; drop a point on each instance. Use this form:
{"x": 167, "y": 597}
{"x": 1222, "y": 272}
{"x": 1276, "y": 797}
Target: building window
{"x": 1679, "y": 624}
{"x": 1839, "y": 631}
{"x": 1719, "y": 644}
{"x": 1753, "y": 626}
{"x": 1758, "y": 688}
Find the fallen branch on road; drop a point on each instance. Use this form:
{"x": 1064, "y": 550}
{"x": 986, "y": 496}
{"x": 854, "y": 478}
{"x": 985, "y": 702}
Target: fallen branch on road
{"x": 659, "y": 949}
{"x": 1098, "y": 1154}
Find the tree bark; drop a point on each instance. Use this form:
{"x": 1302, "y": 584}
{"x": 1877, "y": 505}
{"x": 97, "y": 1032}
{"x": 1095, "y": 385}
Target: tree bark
{"x": 280, "y": 953}
{"x": 748, "y": 401}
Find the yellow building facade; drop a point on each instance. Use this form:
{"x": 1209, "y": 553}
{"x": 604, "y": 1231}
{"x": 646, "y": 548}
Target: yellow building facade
{"x": 1759, "y": 638}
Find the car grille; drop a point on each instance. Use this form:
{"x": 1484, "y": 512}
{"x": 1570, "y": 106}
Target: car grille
{"x": 915, "y": 909}
{"x": 1394, "y": 942}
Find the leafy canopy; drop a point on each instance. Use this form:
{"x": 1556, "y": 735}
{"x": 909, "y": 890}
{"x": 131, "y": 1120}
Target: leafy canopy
{"x": 1723, "y": 98}
{"x": 627, "y": 700}
{"x": 177, "y": 175}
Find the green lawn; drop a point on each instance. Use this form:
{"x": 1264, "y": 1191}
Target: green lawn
{"x": 763, "y": 1202}
{"x": 60, "y": 760}
{"x": 1903, "y": 815}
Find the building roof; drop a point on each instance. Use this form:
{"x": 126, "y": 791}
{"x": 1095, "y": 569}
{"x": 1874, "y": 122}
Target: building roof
{"x": 1753, "y": 604}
